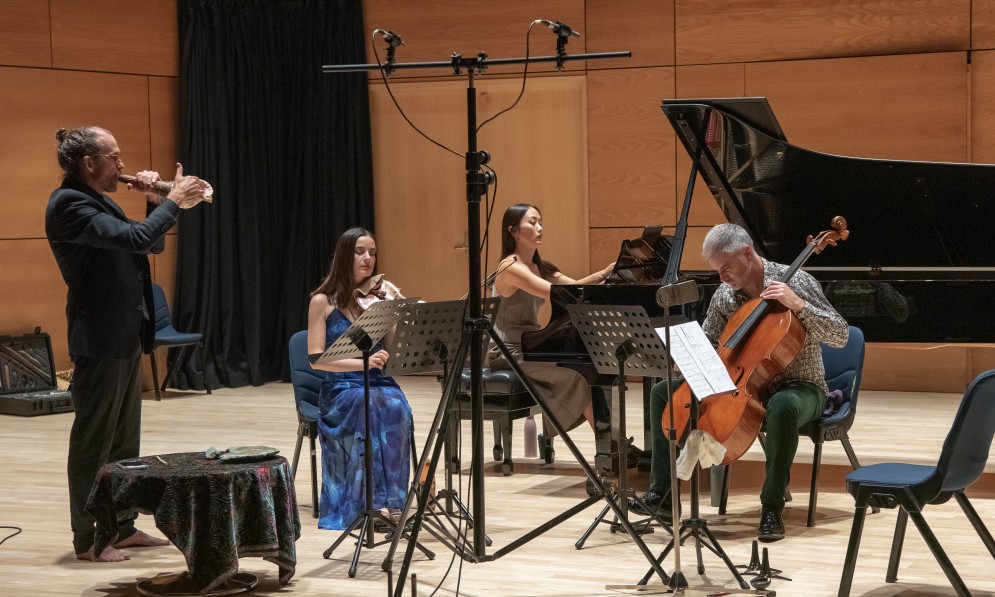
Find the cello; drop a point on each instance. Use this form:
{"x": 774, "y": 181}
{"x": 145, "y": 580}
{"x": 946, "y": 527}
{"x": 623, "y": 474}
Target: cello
{"x": 758, "y": 343}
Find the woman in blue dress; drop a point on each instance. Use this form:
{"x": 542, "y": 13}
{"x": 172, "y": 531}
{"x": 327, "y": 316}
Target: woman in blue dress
{"x": 345, "y": 292}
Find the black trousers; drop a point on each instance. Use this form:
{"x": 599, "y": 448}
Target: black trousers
{"x": 107, "y": 397}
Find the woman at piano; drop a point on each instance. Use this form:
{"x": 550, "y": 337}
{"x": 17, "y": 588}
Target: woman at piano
{"x": 523, "y": 281}
{"x": 349, "y": 288}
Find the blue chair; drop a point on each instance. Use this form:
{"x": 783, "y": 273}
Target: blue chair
{"x": 844, "y": 367}
{"x": 307, "y": 386}
{"x": 910, "y": 487}
{"x": 166, "y": 335}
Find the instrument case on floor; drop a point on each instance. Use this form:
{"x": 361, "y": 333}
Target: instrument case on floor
{"x": 28, "y": 384}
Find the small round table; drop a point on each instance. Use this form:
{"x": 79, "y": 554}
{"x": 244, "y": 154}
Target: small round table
{"x": 215, "y": 512}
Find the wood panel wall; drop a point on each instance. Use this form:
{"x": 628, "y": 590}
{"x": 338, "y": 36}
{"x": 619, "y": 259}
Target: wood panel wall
{"x": 538, "y": 155}
{"x": 890, "y": 78}
{"x": 63, "y": 63}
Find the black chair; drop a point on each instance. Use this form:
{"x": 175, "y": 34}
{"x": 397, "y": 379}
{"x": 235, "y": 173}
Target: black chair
{"x": 844, "y": 367}
{"x": 505, "y": 399}
{"x": 910, "y": 487}
{"x": 166, "y": 335}
{"x": 307, "y": 387}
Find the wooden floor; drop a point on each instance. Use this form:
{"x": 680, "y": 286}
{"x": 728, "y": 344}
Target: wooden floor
{"x": 890, "y": 426}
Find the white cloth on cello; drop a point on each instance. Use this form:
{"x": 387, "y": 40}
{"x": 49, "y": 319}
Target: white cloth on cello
{"x": 700, "y": 447}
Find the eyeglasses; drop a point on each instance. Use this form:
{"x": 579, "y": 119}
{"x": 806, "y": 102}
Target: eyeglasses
{"x": 115, "y": 157}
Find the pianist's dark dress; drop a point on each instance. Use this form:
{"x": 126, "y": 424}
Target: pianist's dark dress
{"x": 564, "y": 391}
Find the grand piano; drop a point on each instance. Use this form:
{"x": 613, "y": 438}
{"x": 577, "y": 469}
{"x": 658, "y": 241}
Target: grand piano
{"x": 641, "y": 265}
{"x": 919, "y": 265}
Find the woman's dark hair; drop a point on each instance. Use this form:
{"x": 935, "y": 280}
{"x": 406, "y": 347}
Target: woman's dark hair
{"x": 509, "y": 223}
{"x": 74, "y": 145}
{"x": 339, "y": 283}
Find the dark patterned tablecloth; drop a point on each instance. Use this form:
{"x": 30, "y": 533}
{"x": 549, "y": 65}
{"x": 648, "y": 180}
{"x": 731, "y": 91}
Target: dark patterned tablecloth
{"x": 214, "y": 512}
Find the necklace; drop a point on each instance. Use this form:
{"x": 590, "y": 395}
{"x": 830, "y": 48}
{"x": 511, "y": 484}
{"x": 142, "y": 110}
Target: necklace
{"x": 351, "y": 314}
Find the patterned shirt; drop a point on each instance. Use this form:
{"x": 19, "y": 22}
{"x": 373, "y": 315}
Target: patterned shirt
{"x": 823, "y": 323}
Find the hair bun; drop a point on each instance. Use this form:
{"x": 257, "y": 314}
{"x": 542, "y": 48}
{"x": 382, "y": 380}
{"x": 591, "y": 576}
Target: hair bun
{"x": 61, "y": 134}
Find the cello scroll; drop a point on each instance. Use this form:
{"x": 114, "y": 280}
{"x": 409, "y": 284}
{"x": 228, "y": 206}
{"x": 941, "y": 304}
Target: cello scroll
{"x": 829, "y": 237}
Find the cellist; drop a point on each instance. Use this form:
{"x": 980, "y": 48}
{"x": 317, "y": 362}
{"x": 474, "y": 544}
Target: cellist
{"x": 796, "y": 397}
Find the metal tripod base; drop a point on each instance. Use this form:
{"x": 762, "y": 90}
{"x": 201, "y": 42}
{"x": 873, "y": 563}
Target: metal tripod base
{"x": 436, "y": 512}
{"x": 642, "y": 527}
{"x": 475, "y": 552}
{"x": 700, "y": 591}
{"x": 698, "y": 528}
{"x": 362, "y": 529}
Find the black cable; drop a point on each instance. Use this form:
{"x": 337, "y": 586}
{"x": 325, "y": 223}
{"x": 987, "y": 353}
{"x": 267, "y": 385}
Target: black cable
{"x": 525, "y": 74}
{"x": 469, "y": 500}
{"x": 398, "y": 106}
{"x": 489, "y": 203}
{"x": 460, "y": 530}
{"x": 17, "y": 531}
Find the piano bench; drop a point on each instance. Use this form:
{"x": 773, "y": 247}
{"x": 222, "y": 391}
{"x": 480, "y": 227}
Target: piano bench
{"x": 505, "y": 399}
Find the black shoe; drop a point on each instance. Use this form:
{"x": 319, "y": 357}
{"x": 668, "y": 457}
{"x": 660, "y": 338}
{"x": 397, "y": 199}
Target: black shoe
{"x": 633, "y": 454}
{"x": 771, "y": 526}
{"x": 656, "y": 505}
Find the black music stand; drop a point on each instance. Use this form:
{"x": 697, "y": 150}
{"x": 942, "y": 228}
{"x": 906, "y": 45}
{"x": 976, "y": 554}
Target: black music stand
{"x": 424, "y": 342}
{"x": 434, "y": 445}
{"x": 694, "y": 526}
{"x": 621, "y": 340}
{"x": 359, "y": 340}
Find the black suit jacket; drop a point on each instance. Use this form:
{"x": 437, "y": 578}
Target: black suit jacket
{"x": 103, "y": 258}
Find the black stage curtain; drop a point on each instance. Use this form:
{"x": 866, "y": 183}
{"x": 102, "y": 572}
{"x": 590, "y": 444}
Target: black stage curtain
{"x": 287, "y": 150}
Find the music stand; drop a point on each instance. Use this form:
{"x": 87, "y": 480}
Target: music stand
{"x": 358, "y": 341}
{"x": 621, "y": 340}
{"x": 434, "y": 446}
{"x": 694, "y": 526}
{"x": 425, "y": 341}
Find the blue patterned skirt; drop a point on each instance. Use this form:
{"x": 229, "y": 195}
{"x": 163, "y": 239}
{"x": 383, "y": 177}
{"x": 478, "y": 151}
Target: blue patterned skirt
{"x": 340, "y": 427}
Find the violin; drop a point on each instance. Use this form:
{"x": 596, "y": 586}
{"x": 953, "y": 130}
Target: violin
{"x": 758, "y": 343}
{"x": 375, "y": 288}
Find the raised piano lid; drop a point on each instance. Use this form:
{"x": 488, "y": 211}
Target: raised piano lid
{"x": 919, "y": 230}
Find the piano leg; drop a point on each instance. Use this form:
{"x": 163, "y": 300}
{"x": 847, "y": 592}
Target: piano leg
{"x": 606, "y": 440}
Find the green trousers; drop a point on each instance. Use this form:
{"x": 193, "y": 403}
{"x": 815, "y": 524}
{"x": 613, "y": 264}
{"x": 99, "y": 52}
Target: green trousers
{"x": 791, "y": 406}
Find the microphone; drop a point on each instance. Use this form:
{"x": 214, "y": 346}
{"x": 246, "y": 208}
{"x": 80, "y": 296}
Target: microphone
{"x": 559, "y": 28}
{"x": 678, "y": 293}
{"x": 393, "y": 39}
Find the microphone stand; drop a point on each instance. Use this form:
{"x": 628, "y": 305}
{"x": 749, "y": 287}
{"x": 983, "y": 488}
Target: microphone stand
{"x": 476, "y": 325}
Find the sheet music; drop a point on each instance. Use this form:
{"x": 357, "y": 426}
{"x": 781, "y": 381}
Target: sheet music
{"x": 700, "y": 365}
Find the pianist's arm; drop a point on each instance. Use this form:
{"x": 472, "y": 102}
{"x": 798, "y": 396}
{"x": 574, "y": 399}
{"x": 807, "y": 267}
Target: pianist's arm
{"x": 513, "y": 274}
{"x": 595, "y": 278}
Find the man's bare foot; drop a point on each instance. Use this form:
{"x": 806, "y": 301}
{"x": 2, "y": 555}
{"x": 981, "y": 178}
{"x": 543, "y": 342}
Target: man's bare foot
{"x": 141, "y": 539}
{"x": 108, "y": 555}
